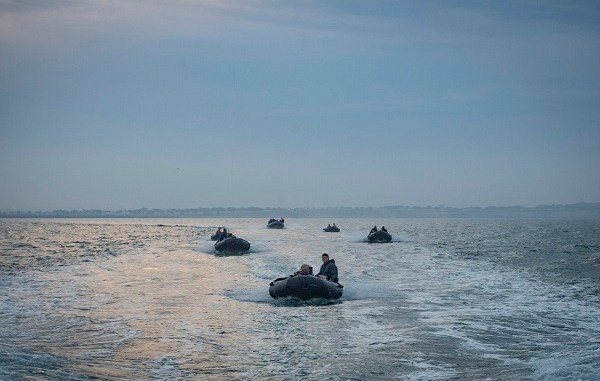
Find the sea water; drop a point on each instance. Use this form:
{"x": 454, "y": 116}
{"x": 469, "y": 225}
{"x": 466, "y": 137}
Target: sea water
{"x": 448, "y": 299}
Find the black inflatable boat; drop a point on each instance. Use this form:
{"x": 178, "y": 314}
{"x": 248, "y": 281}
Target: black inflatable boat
{"x": 331, "y": 229}
{"x": 305, "y": 287}
{"x": 275, "y": 224}
{"x": 380, "y": 236}
{"x": 232, "y": 245}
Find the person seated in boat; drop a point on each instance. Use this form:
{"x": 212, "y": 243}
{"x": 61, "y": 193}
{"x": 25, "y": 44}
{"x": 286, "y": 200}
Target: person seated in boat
{"x": 271, "y": 220}
{"x": 373, "y": 230}
{"x": 384, "y": 229}
{"x": 328, "y": 269}
{"x": 304, "y": 270}
{"x": 281, "y": 220}
{"x": 223, "y": 235}
{"x": 218, "y": 232}
{"x": 328, "y": 226}
{"x": 334, "y": 225}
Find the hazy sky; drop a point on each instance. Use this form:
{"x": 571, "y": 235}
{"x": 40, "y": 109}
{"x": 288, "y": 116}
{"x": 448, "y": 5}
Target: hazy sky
{"x": 183, "y": 104}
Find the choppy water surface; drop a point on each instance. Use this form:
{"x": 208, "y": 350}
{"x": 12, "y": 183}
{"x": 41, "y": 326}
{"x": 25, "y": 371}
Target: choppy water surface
{"x": 449, "y": 299}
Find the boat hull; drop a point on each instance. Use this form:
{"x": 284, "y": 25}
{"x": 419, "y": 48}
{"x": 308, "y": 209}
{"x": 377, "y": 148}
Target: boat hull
{"x": 232, "y": 245}
{"x": 332, "y": 229}
{"x": 275, "y": 225}
{"x": 380, "y": 237}
{"x": 305, "y": 287}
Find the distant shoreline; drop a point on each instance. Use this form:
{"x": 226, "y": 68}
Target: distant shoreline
{"x": 578, "y": 210}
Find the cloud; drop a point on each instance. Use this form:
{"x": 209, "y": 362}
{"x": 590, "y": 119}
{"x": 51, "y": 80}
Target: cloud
{"x": 25, "y": 21}
{"x": 379, "y": 23}
{"x": 54, "y": 22}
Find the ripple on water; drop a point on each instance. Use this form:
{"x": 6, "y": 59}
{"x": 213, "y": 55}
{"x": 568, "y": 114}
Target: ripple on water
{"x": 450, "y": 299}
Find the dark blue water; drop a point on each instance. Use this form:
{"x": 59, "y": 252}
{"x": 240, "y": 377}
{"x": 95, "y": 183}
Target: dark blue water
{"x": 449, "y": 299}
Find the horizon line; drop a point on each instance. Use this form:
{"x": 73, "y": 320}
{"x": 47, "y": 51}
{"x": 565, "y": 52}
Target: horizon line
{"x": 439, "y": 206}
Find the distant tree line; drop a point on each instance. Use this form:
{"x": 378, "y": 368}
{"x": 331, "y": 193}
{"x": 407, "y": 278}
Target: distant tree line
{"x": 578, "y": 210}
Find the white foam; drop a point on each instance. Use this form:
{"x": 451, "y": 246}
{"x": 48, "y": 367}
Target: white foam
{"x": 257, "y": 294}
{"x": 366, "y": 290}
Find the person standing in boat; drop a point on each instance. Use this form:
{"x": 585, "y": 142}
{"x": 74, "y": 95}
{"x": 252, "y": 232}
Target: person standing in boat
{"x": 328, "y": 269}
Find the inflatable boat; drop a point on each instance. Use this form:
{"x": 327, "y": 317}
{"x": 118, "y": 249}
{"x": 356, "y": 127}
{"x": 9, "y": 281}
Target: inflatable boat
{"x": 232, "y": 245}
{"x": 305, "y": 287}
{"x": 380, "y": 236}
{"x": 331, "y": 229}
{"x": 275, "y": 224}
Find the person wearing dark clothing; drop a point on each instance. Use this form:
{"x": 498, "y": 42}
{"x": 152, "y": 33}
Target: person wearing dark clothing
{"x": 373, "y": 230}
{"x": 304, "y": 270}
{"x": 384, "y": 229}
{"x": 223, "y": 235}
{"x": 328, "y": 269}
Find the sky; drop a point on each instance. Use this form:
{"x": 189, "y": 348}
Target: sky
{"x": 184, "y": 104}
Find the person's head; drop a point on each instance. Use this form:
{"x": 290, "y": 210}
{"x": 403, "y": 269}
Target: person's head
{"x": 325, "y": 257}
{"x": 305, "y": 269}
